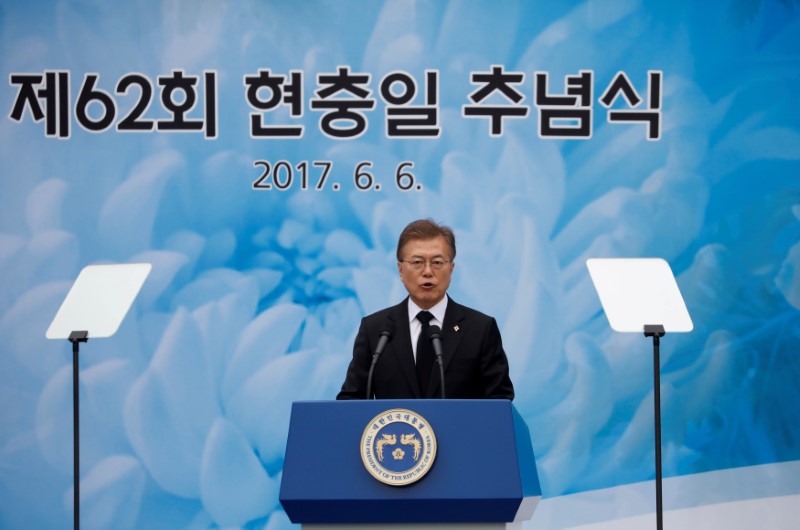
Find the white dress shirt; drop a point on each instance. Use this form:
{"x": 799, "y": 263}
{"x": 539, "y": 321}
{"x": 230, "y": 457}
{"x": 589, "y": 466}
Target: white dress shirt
{"x": 415, "y": 326}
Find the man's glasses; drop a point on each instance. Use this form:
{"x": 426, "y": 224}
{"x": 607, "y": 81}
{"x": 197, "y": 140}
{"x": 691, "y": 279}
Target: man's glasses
{"x": 419, "y": 264}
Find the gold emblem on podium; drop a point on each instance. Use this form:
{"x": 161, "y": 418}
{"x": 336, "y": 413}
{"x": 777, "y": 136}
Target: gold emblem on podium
{"x": 398, "y": 447}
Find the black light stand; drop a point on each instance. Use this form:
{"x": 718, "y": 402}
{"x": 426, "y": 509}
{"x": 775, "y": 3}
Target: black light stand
{"x": 657, "y": 331}
{"x": 96, "y": 304}
{"x": 76, "y": 337}
{"x": 635, "y": 292}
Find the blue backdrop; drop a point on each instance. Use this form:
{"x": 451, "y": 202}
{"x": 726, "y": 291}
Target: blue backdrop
{"x": 146, "y": 131}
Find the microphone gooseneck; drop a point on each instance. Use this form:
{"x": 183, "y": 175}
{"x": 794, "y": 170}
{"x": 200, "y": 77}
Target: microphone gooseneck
{"x": 435, "y": 336}
{"x": 383, "y": 340}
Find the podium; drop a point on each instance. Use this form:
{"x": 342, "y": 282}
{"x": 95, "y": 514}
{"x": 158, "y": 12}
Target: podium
{"x": 483, "y": 473}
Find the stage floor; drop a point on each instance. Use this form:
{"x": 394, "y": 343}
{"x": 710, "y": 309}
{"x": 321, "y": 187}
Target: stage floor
{"x": 765, "y": 497}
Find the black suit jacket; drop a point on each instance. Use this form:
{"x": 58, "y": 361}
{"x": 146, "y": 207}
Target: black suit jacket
{"x": 475, "y": 364}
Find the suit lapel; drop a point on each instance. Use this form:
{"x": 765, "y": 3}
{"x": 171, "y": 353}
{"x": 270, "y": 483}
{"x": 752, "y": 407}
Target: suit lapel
{"x": 401, "y": 346}
{"x": 453, "y": 316}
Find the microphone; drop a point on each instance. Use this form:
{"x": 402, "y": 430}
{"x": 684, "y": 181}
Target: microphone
{"x": 383, "y": 340}
{"x": 435, "y": 336}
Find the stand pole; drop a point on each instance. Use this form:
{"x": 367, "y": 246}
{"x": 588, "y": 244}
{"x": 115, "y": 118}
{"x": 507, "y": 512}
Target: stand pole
{"x": 76, "y": 337}
{"x": 657, "y": 331}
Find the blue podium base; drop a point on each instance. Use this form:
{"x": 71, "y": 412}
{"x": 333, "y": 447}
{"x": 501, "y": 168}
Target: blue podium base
{"x": 415, "y": 526}
{"x": 483, "y": 476}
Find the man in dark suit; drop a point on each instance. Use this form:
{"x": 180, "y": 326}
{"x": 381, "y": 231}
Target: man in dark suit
{"x": 475, "y": 364}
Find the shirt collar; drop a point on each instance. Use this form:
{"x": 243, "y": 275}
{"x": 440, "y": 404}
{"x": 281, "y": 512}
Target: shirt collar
{"x": 437, "y": 311}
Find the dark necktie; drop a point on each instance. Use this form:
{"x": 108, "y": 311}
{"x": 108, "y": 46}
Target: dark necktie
{"x": 425, "y": 352}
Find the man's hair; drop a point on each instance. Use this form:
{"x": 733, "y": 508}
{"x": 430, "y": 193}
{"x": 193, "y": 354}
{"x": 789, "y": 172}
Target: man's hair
{"x": 426, "y": 229}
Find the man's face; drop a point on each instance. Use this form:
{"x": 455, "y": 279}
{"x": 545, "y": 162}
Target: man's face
{"x": 426, "y": 286}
